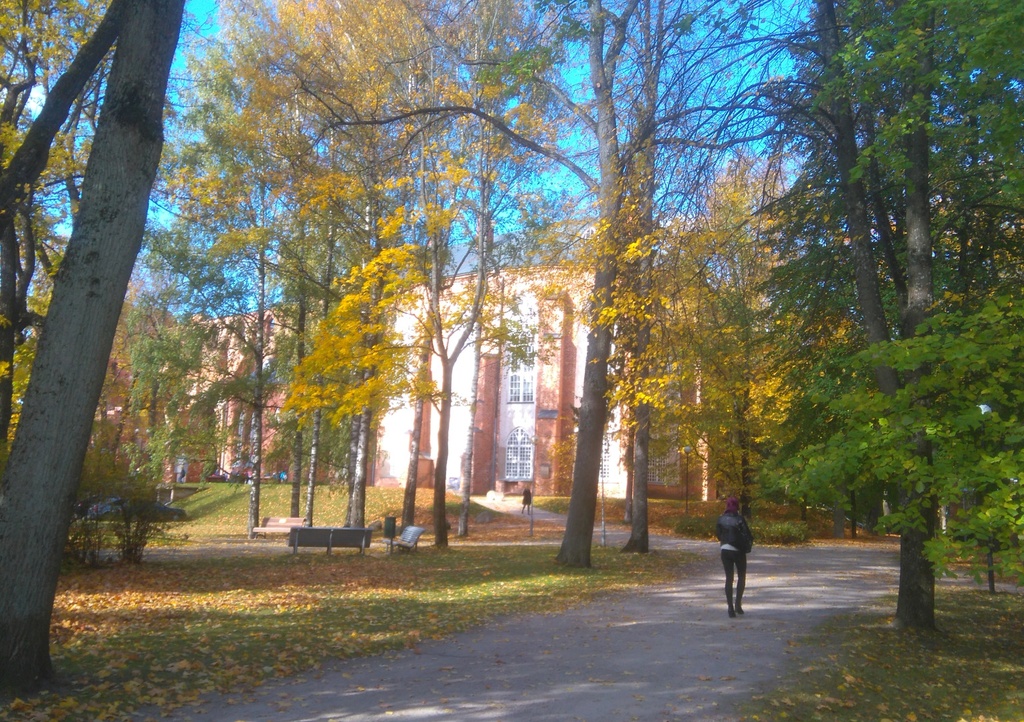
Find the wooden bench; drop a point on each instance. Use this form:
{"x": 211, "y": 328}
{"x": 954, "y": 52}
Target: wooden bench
{"x": 278, "y": 524}
{"x": 408, "y": 540}
{"x": 330, "y": 537}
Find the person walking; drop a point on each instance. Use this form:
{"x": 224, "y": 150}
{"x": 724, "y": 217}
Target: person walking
{"x": 737, "y": 541}
{"x": 527, "y": 501}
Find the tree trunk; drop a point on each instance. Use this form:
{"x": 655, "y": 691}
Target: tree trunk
{"x": 579, "y": 525}
{"x": 357, "y": 501}
{"x": 441, "y": 470}
{"x": 467, "y": 458}
{"x": 915, "y": 606}
{"x": 630, "y": 464}
{"x": 593, "y": 417}
{"x": 838, "y": 518}
{"x": 869, "y": 296}
{"x": 43, "y": 472}
{"x": 412, "y": 475}
{"x": 314, "y": 450}
{"x": 259, "y": 393}
{"x": 8, "y": 330}
{"x": 297, "y": 442}
{"x": 353, "y": 456}
{"x": 639, "y": 537}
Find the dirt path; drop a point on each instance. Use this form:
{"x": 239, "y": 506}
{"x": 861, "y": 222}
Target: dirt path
{"x": 665, "y": 653}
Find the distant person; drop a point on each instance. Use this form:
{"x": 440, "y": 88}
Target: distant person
{"x": 737, "y": 541}
{"x": 527, "y": 501}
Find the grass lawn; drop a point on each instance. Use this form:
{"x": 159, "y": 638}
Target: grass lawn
{"x": 971, "y": 669}
{"x": 190, "y": 620}
{"x": 185, "y": 622}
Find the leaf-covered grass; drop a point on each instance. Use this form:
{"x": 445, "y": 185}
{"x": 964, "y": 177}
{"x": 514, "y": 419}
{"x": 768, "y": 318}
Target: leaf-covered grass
{"x": 187, "y": 622}
{"x": 971, "y": 669}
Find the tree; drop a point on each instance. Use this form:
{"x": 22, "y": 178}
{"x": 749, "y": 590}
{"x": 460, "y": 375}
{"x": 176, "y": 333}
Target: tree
{"x": 650, "y": 83}
{"x": 886, "y": 87}
{"x": 28, "y": 58}
{"x": 42, "y": 473}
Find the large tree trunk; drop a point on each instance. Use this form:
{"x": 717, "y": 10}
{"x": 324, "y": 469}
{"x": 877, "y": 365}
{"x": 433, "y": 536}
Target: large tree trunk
{"x": 593, "y": 417}
{"x": 579, "y": 525}
{"x": 639, "y": 537}
{"x": 444, "y": 418}
{"x": 8, "y": 330}
{"x": 915, "y": 606}
{"x": 629, "y": 461}
{"x": 353, "y": 456}
{"x": 43, "y": 471}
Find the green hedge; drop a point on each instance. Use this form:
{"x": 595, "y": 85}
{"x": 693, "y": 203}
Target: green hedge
{"x": 780, "y": 532}
{"x": 768, "y": 532}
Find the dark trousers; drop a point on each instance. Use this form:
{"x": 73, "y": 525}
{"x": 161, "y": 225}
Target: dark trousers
{"x": 734, "y": 563}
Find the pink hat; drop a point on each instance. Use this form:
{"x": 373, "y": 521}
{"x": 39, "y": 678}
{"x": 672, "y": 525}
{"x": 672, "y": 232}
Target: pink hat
{"x": 732, "y": 504}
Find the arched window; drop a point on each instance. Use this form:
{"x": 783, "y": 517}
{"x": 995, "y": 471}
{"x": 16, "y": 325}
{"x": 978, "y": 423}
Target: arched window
{"x": 519, "y": 456}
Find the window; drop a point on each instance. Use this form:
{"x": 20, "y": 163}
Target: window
{"x": 658, "y": 470}
{"x": 519, "y": 456}
{"x": 521, "y": 382}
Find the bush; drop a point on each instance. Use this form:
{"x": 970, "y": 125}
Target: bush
{"x": 86, "y": 540}
{"x": 114, "y": 511}
{"x": 780, "y": 532}
{"x": 134, "y": 526}
{"x": 694, "y": 527}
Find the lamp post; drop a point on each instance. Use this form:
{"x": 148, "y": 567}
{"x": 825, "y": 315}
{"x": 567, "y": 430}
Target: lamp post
{"x": 986, "y": 409}
{"x": 686, "y": 477}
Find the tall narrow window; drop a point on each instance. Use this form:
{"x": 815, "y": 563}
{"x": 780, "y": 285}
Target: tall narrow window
{"x": 515, "y": 388}
{"x": 519, "y": 456}
{"x": 521, "y": 381}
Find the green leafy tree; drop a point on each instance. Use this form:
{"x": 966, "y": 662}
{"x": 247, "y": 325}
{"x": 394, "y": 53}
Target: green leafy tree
{"x": 889, "y": 91}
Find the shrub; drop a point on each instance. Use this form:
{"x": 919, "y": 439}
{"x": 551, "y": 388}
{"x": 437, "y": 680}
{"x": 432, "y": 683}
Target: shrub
{"x": 114, "y": 511}
{"x": 694, "y": 527}
{"x": 134, "y": 526}
{"x": 780, "y": 532}
{"x": 86, "y": 540}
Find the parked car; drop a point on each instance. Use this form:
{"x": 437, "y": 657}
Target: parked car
{"x": 115, "y": 507}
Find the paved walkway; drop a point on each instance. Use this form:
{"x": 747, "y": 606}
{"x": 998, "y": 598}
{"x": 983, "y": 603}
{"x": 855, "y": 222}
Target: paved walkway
{"x": 664, "y": 653}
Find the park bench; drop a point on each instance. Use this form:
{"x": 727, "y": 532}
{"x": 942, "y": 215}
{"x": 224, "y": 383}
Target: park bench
{"x": 329, "y": 537}
{"x": 278, "y": 524}
{"x": 408, "y": 540}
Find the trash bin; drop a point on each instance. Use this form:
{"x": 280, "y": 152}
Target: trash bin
{"x": 389, "y": 527}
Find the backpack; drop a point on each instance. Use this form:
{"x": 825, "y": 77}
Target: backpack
{"x": 746, "y": 538}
